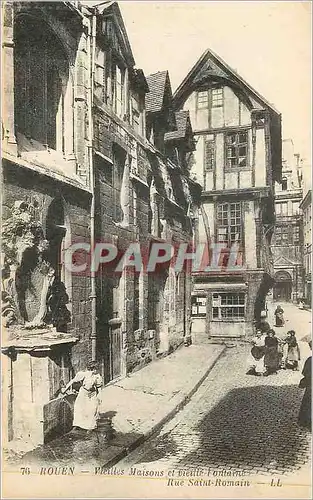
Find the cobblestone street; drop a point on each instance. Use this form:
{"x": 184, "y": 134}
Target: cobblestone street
{"x": 236, "y": 422}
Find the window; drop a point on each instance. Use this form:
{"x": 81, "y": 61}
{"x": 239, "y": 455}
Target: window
{"x": 278, "y": 232}
{"x": 284, "y": 184}
{"x": 203, "y": 100}
{"x": 118, "y": 75}
{"x": 282, "y": 236}
{"x": 198, "y": 306}
{"x": 282, "y": 208}
{"x": 119, "y": 159}
{"x": 236, "y": 146}
{"x": 99, "y": 73}
{"x": 135, "y": 113}
{"x": 136, "y": 301}
{"x": 135, "y": 202}
{"x": 285, "y": 236}
{"x": 295, "y": 208}
{"x": 228, "y": 224}
{"x": 41, "y": 84}
{"x": 228, "y": 306}
{"x": 209, "y": 155}
{"x": 296, "y": 235}
{"x": 217, "y": 98}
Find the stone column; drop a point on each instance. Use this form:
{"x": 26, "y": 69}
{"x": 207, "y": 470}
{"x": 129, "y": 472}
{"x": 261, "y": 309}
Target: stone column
{"x": 8, "y": 132}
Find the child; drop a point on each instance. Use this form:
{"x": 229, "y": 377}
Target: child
{"x": 291, "y": 351}
{"x": 255, "y": 361}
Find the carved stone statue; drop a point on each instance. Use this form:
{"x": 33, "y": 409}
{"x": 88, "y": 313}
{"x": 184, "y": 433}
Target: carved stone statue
{"x": 32, "y": 296}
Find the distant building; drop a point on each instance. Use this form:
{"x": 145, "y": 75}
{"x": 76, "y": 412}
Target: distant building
{"x": 287, "y": 240}
{"x": 237, "y": 161}
{"x": 306, "y": 207}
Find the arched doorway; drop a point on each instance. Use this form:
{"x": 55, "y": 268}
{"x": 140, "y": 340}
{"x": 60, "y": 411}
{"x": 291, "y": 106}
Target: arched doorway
{"x": 282, "y": 287}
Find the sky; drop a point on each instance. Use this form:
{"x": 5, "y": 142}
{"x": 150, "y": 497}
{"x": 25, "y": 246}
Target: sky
{"x": 267, "y": 43}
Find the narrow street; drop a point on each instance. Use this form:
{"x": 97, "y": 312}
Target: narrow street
{"x": 236, "y": 421}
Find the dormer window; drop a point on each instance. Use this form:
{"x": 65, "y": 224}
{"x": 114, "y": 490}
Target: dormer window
{"x": 203, "y": 100}
{"x": 118, "y": 78}
{"x": 217, "y": 98}
{"x": 136, "y": 115}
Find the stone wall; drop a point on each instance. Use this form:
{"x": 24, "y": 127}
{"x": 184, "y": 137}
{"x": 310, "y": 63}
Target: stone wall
{"x": 23, "y": 185}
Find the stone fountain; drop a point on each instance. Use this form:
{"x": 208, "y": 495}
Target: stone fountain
{"x": 35, "y": 344}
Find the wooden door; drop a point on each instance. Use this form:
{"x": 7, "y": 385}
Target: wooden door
{"x": 115, "y": 336}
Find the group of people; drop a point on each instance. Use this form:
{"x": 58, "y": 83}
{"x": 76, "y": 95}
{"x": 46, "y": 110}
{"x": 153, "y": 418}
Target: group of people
{"x": 268, "y": 353}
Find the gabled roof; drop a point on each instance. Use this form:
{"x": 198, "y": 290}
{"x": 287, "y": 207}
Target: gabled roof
{"x": 211, "y": 65}
{"x": 182, "y": 124}
{"x": 138, "y": 78}
{"x": 306, "y": 200}
{"x": 283, "y": 261}
{"x": 158, "y": 84}
{"x": 109, "y": 7}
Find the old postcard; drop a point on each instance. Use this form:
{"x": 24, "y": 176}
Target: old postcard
{"x": 156, "y": 249}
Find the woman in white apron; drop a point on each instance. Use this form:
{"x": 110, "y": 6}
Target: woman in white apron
{"x": 87, "y": 402}
{"x": 255, "y": 361}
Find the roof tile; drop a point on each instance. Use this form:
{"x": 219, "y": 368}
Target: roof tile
{"x": 154, "y": 98}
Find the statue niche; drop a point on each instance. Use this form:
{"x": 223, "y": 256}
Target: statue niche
{"x": 33, "y": 295}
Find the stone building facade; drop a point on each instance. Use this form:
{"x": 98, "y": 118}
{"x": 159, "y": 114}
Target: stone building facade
{"x": 46, "y": 205}
{"x": 237, "y": 161}
{"x": 287, "y": 244}
{"x": 143, "y": 195}
{"x": 93, "y": 152}
{"x": 306, "y": 207}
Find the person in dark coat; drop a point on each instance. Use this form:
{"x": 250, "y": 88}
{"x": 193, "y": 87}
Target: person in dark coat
{"x": 304, "y": 418}
{"x": 262, "y": 325}
{"x": 272, "y": 357}
{"x": 279, "y": 316}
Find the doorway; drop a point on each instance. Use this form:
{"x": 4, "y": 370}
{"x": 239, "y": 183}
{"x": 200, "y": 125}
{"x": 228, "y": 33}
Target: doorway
{"x": 282, "y": 290}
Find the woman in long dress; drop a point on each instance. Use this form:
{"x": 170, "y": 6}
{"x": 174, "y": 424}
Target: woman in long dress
{"x": 272, "y": 357}
{"x": 305, "y": 417}
{"x": 88, "y": 400}
{"x": 291, "y": 351}
{"x": 279, "y": 316}
{"x": 255, "y": 361}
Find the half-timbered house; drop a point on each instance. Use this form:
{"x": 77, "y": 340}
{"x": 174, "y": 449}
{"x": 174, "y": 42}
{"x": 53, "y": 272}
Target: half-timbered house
{"x": 237, "y": 161}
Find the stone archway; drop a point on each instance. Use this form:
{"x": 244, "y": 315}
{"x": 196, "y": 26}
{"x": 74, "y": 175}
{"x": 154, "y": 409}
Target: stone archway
{"x": 282, "y": 287}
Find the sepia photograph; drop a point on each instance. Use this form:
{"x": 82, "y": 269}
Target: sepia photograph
{"x": 156, "y": 246}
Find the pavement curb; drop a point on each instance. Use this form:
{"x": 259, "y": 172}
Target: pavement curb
{"x": 140, "y": 440}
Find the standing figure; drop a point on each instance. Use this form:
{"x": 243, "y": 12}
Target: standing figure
{"x": 291, "y": 351}
{"x": 262, "y": 324}
{"x": 271, "y": 357}
{"x": 88, "y": 400}
{"x": 304, "y": 418}
{"x": 255, "y": 361}
{"x": 279, "y": 316}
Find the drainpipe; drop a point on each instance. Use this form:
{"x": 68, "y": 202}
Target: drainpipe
{"x": 91, "y": 64}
